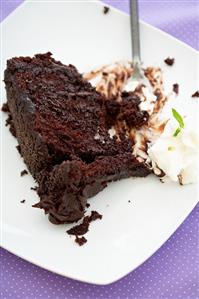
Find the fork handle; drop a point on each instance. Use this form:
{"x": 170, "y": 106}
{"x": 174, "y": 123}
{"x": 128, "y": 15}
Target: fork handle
{"x": 135, "y": 36}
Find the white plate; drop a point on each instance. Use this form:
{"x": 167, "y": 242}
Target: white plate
{"x": 79, "y": 33}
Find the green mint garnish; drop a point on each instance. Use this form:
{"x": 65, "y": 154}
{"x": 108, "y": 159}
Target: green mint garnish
{"x": 177, "y": 131}
{"x": 179, "y": 119}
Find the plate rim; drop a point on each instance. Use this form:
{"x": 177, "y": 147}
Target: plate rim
{"x": 106, "y": 282}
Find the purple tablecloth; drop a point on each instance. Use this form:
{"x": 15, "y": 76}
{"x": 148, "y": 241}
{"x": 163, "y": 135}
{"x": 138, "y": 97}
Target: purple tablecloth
{"x": 172, "y": 272}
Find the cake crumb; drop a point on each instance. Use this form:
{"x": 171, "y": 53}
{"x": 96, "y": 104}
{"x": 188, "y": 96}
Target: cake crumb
{"x": 94, "y": 216}
{"x": 169, "y": 61}
{"x": 5, "y": 108}
{"x": 9, "y": 120}
{"x": 19, "y": 149}
{"x": 80, "y": 229}
{"x": 83, "y": 228}
{"x": 23, "y": 201}
{"x": 106, "y": 9}
{"x": 80, "y": 240}
{"x": 180, "y": 179}
{"x": 195, "y": 94}
{"x": 23, "y": 172}
{"x": 176, "y": 88}
{"x": 87, "y": 205}
{"x": 129, "y": 201}
{"x": 34, "y": 188}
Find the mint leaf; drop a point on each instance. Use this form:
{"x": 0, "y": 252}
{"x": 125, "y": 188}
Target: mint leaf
{"x": 179, "y": 119}
{"x": 177, "y": 131}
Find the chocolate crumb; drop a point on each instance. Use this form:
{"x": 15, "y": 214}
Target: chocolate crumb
{"x": 24, "y": 172}
{"x": 161, "y": 180}
{"x": 180, "y": 179}
{"x": 80, "y": 240}
{"x": 34, "y": 188}
{"x": 5, "y": 108}
{"x": 195, "y": 94}
{"x": 176, "y": 88}
{"x": 106, "y": 9}
{"x": 129, "y": 201}
{"x": 95, "y": 215}
{"x": 9, "y": 122}
{"x": 19, "y": 149}
{"x": 22, "y": 201}
{"x": 169, "y": 61}
{"x": 82, "y": 228}
{"x": 87, "y": 205}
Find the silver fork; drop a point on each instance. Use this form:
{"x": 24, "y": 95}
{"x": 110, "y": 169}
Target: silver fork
{"x": 135, "y": 40}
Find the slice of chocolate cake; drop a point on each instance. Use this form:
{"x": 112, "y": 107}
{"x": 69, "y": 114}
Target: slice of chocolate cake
{"x": 62, "y": 125}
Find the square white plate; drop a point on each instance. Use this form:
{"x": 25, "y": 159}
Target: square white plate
{"x": 78, "y": 32}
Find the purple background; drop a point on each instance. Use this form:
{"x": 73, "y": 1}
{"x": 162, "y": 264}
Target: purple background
{"x": 172, "y": 272}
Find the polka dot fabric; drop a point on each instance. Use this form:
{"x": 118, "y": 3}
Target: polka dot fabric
{"x": 172, "y": 272}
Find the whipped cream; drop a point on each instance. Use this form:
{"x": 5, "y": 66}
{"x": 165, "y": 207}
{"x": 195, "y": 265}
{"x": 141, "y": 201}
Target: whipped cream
{"x": 176, "y": 156}
{"x": 148, "y": 102}
{"x": 131, "y": 85}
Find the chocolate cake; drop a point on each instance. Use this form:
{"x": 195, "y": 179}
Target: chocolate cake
{"x": 62, "y": 125}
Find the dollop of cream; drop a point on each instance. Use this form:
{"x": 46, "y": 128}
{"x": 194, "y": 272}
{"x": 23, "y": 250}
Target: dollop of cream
{"x": 176, "y": 156}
